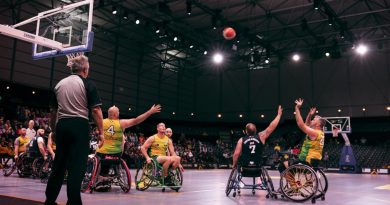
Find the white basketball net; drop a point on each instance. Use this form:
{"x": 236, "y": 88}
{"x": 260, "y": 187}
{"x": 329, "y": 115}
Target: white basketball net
{"x": 72, "y": 56}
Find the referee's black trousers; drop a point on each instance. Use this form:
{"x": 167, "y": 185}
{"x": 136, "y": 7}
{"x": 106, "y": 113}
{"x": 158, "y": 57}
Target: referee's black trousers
{"x": 72, "y": 141}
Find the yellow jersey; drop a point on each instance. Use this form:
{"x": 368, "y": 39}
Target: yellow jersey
{"x": 312, "y": 149}
{"x": 22, "y": 141}
{"x": 113, "y": 137}
{"x": 159, "y": 146}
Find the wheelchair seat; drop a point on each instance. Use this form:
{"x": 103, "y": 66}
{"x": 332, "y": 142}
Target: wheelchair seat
{"x": 236, "y": 183}
{"x": 250, "y": 171}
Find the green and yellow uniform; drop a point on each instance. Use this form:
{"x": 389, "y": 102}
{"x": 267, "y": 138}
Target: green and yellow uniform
{"x": 312, "y": 149}
{"x": 22, "y": 141}
{"x": 159, "y": 146}
{"x": 113, "y": 137}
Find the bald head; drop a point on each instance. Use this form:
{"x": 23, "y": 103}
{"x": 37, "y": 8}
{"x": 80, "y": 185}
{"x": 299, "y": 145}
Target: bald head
{"x": 250, "y": 129}
{"x": 168, "y": 132}
{"x": 31, "y": 124}
{"x": 113, "y": 113}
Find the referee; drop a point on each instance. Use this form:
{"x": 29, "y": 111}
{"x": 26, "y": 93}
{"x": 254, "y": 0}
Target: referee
{"x": 74, "y": 97}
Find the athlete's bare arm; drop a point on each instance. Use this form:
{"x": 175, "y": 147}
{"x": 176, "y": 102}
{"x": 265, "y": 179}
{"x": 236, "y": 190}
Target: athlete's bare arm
{"x": 237, "y": 152}
{"x": 298, "y": 117}
{"x": 145, "y": 147}
{"x": 272, "y": 126}
{"x": 126, "y": 123}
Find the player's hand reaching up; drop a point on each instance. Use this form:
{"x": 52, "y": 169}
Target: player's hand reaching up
{"x": 298, "y": 103}
{"x": 280, "y": 110}
{"x": 312, "y": 111}
{"x": 155, "y": 109}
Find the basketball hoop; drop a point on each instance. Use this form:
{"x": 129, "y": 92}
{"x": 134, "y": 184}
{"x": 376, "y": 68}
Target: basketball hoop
{"x": 71, "y": 56}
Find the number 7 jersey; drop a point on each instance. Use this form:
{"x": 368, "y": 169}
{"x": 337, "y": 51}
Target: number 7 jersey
{"x": 252, "y": 151}
{"x": 113, "y": 137}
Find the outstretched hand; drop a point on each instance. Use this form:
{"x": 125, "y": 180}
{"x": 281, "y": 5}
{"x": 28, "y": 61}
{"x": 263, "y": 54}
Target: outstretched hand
{"x": 298, "y": 103}
{"x": 280, "y": 110}
{"x": 155, "y": 108}
{"x": 312, "y": 111}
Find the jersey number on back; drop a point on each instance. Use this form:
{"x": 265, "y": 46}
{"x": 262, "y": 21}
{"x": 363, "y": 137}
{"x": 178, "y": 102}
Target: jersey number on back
{"x": 111, "y": 130}
{"x": 252, "y": 147}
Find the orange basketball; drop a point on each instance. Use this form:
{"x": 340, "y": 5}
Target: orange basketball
{"x": 229, "y": 33}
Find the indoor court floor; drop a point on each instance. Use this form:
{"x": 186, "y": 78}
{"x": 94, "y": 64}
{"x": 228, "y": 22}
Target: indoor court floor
{"x": 204, "y": 187}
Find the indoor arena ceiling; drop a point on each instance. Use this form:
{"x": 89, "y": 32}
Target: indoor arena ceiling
{"x": 266, "y": 29}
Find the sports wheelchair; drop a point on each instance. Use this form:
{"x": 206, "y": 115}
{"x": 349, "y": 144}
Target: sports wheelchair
{"x": 300, "y": 182}
{"x": 152, "y": 175}
{"x": 118, "y": 174}
{"x": 236, "y": 183}
{"x": 26, "y": 165}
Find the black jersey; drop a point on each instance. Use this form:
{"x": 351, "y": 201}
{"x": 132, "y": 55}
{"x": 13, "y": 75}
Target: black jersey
{"x": 252, "y": 151}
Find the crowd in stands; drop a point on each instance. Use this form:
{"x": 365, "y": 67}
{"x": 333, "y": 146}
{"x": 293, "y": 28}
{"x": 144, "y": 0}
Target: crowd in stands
{"x": 195, "y": 151}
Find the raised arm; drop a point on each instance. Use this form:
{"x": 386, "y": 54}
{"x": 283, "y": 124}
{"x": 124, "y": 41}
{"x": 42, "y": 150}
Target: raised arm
{"x": 271, "y": 127}
{"x": 145, "y": 147}
{"x": 298, "y": 117}
{"x": 309, "y": 115}
{"x": 126, "y": 123}
{"x": 237, "y": 153}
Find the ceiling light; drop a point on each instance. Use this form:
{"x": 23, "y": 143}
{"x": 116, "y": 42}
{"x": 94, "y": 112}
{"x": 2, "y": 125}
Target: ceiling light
{"x": 217, "y": 58}
{"x": 114, "y": 10}
{"x": 361, "y": 49}
{"x": 296, "y": 57}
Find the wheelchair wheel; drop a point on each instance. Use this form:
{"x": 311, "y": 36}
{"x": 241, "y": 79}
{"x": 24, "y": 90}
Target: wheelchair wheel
{"x": 322, "y": 184}
{"x": 90, "y": 175}
{"x": 231, "y": 182}
{"x": 36, "y": 166}
{"x": 45, "y": 171}
{"x": 299, "y": 183}
{"x": 177, "y": 179}
{"x": 268, "y": 183}
{"x": 125, "y": 177}
{"x": 9, "y": 168}
{"x": 24, "y": 166}
{"x": 144, "y": 177}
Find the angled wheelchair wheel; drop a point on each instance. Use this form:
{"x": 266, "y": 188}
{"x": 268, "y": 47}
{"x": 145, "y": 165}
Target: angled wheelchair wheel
{"x": 177, "y": 179}
{"x": 36, "y": 166}
{"x": 45, "y": 171}
{"x": 9, "y": 168}
{"x": 144, "y": 177}
{"x": 299, "y": 183}
{"x": 24, "y": 166}
{"x": 268, "y": 183}
{"x": 322, "y": 184}
{"x": 125, "y": 177}
{"x": 90, "y": 175}
{"x": 231, "y": 183}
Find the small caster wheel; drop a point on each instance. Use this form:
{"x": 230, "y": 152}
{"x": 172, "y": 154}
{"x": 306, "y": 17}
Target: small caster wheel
{"x": 253, "y": 192}
{"x": 234, "y": 194}
{"x": 323, "y": 198}
{"x": 275, "y": 196}
{"x": 313, "y": 200}
{"x": 163, "y": 190}
{"x": 282, "y": 196}
{"x": 267, "y": 196}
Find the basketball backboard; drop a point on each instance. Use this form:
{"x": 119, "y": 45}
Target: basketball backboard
{"x": 64, "y": 30}
{"x": 71, "y": 26}
{"x": 343, "y": 124}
